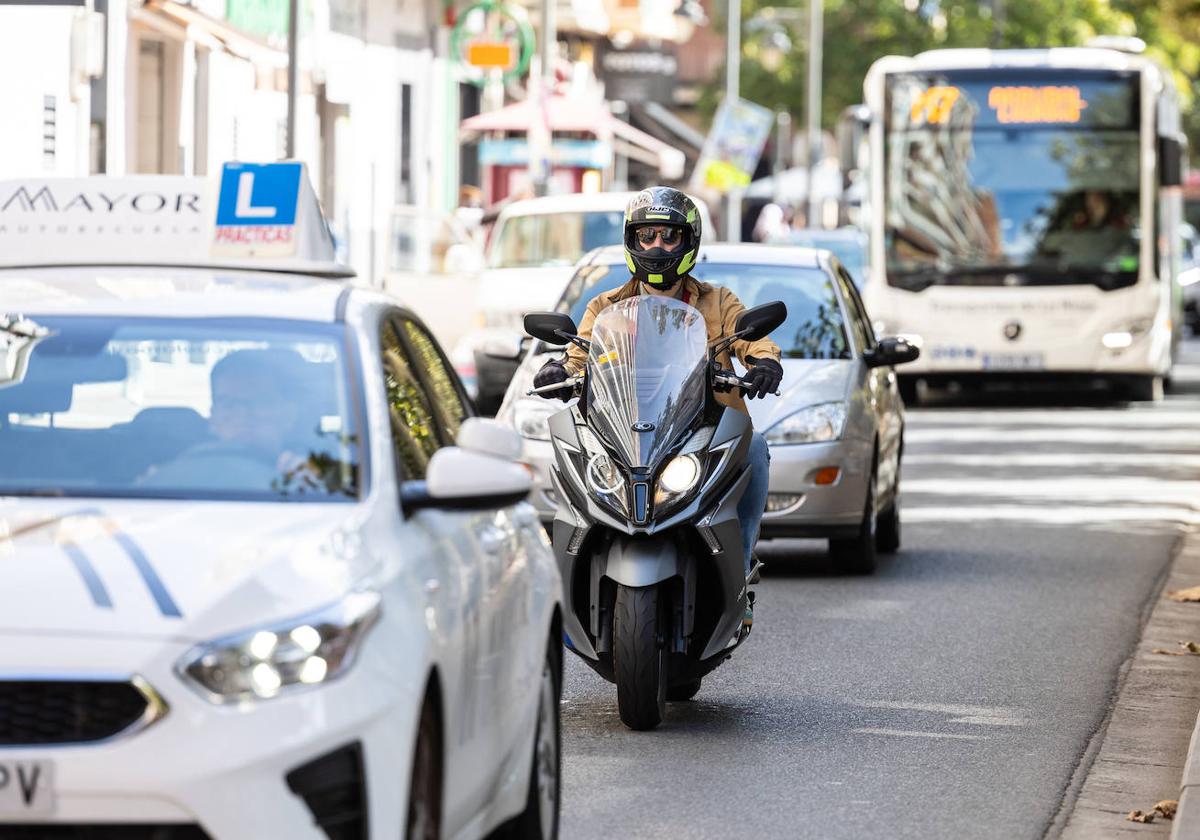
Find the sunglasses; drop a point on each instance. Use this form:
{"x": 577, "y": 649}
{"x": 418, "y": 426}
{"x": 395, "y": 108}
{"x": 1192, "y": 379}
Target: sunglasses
{"x": 670, "y": 235}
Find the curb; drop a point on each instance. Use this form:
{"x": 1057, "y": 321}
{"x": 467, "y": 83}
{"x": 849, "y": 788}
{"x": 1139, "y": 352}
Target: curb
{"x": 1186, "y": 825}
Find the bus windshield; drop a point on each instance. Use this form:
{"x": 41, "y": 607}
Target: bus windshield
{"x": 1012, "y": 178}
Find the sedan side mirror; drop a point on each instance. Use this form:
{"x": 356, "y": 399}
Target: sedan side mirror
{"x": 891, "y": 351}
{"x": 761, "y": 321}
{"x": 459, "y": 479}
{"x": 489, "y": 437}
{"x": 550, "y": 327}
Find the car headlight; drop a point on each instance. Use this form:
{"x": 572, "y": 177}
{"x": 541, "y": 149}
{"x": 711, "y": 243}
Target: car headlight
{"x": 532, "y": 419}
{"x": 265, "y": 662}
{"x": 814, "y": 424}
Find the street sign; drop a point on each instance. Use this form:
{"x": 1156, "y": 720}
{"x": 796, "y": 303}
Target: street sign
{"x": 733, "y": 147}
{"x": 492, "y": 36}
{"x": 491, "y": 55}
{"x": 256, "y": 209}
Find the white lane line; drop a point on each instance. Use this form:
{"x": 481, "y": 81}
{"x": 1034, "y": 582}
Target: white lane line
{"x": 1116, "y": 438}
{"x": 1072, "y": 490}
{"x": 978, "y": 715}
{"x": 1074, "y": 460}
{"x": 1066, "y": 417}
{"x": 1056, "y": 515}
{"x": 907, "y": 733}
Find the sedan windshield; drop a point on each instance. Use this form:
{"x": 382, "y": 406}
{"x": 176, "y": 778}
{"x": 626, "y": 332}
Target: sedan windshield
{"x": 243, "y": 409}
{"x": 553, "y": 238}
{"x": 814, "y": 328}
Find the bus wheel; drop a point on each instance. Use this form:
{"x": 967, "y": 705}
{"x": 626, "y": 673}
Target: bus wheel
{"x": 1144, "y": 388}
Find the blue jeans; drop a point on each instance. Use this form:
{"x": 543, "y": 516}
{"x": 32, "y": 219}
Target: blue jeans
{"x": 754, "y": 500}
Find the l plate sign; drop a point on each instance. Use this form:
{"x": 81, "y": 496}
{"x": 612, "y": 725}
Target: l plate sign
{"x": 256, "y": 210}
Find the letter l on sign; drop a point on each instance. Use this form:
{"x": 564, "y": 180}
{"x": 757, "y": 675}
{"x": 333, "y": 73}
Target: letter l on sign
{"x": 245, "y": 194}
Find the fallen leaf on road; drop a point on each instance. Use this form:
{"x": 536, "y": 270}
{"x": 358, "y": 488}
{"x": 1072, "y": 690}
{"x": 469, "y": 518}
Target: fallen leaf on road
{"x": 1167, "y": 808}
{"x": 1189, "y": 649}
{"x": 1140, "y": 816}
{"x": 1189, "y": 594}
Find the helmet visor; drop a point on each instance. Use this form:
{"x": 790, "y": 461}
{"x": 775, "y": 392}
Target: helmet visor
{"x": 669, "y": 234}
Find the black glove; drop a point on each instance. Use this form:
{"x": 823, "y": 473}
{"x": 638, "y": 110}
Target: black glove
{"x": 551, "y": 373}
{"x": 764, "y": 377}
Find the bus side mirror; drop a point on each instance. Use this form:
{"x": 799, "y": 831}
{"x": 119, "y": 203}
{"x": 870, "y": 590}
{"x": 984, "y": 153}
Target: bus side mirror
{"x": 1170, "y": 161}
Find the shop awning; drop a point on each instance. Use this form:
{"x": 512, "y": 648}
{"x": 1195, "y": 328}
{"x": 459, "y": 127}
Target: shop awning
{"x": 563, "y": 114}
{"x": 199, "y": 26}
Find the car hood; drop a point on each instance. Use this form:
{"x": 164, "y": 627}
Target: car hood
{"x": 504, "y": 292}
{"x": 167, "y": 569}
{"x": 805, "y": 382}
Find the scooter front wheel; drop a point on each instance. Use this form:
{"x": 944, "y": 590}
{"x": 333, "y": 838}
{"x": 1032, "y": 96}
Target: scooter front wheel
{"x": 639, "y": 660}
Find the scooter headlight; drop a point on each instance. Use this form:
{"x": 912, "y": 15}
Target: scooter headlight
{"x": 603, "y": 477}
{"x": 680, "y": 475}
{"x": 676, "y": 480}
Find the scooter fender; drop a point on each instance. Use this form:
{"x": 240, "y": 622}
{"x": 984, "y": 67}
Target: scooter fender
{"x": 637, "y": 562}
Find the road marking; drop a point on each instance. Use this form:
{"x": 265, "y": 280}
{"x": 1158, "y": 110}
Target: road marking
{"x": 977, "y": 715}
{"x": 907, "y": 733}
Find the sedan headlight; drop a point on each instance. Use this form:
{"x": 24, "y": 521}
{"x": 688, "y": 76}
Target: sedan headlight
{"x": 532, "y": 419}
{"x": 814, "y": 424}
{"x": 263, "y": 663}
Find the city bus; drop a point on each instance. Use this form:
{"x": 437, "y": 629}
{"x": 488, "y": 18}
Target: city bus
{"x": 1024, "y": 212}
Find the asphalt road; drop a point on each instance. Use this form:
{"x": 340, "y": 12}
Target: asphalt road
{"x": 953, "y": 693}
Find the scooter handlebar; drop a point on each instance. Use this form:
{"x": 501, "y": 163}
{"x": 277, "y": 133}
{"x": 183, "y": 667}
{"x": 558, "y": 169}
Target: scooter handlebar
{"x": 572, "y": 382}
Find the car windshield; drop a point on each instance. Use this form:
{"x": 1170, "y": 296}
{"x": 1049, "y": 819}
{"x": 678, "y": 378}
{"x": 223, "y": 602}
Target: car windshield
{"x": 553, "y": 238}
{"x": 646, "y": 375}
{"x": 241, "y": 409}
{"x": 851, "y": 253}
{"x": 1013, "y": 179}
{"x": 814, "y": 328}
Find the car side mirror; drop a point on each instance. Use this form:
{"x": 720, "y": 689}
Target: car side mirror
{"x": 508, "y": 346}
{"x": 891, "y": 351}
{"x": 760, "y": 321}
{"x": 459, "y": 479}
{"x": 489, "y": 437}
{"x": 550, "y": 327}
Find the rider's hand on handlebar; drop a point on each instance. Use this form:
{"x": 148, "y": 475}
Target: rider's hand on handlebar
{"x": 551, "y": 373}
{"x": 763, "y": 378}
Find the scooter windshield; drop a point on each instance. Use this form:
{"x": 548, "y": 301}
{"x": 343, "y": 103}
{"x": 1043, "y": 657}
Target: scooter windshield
{"x": 646, "y": 375}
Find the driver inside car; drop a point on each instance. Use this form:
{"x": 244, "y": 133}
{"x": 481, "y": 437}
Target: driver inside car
{"x": 662, "y": 240}
{"x": 256, "y": 403}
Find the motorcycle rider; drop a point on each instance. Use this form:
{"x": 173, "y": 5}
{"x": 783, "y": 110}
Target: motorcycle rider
{"x": 662, "y": 240}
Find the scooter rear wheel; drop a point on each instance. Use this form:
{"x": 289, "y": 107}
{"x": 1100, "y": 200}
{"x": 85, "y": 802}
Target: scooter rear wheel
{"x": 639, "y": 661}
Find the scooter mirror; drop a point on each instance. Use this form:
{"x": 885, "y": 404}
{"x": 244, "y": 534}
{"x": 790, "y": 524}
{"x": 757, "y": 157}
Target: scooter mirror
{"x": 550, "y": 327}
{"x": 760, "y": 321}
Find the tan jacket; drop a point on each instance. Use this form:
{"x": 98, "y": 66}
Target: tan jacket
{"x": 720, "y": 308}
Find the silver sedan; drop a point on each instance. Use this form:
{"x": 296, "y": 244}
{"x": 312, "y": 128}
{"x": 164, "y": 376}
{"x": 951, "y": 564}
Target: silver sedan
{"x": 836, "y": 432}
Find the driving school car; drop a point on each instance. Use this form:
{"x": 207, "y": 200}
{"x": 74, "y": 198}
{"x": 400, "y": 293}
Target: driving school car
{"x": 836, "y": 431}
{"x": 261, "y": 573}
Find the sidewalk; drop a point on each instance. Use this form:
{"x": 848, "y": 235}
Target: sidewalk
{"x": 1143, "y": 756}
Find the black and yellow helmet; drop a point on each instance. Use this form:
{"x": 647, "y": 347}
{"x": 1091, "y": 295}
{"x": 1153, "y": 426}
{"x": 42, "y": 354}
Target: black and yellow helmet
{"x": 659, "y": 267}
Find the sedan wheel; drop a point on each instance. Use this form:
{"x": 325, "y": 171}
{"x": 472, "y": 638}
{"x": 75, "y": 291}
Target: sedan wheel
{"x": 539, "y": 820}
{"x": 856, "y": 555}
{"x": 425, "y": 786}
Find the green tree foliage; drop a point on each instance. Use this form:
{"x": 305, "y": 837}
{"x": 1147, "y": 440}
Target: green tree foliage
{"x": 857, "y": 32}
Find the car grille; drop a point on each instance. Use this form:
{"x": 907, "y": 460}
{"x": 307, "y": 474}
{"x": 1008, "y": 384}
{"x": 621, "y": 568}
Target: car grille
{"x": 334, "y": 787}
{"x": 67, "y": 712}
{"x": 46, "y": 831}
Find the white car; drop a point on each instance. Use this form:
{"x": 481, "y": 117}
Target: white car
{"x": 531, "y": 256}
{"x": 261, "y": 574}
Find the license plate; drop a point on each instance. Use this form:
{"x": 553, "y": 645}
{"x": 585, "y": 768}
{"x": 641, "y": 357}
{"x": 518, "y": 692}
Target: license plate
{"x": 1013, "y": 361}
{"x": 26, "y": 787}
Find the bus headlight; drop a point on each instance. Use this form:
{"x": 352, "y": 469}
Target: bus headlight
{"x": 1124, "y": 337}
{"x": 814, "y": 424}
